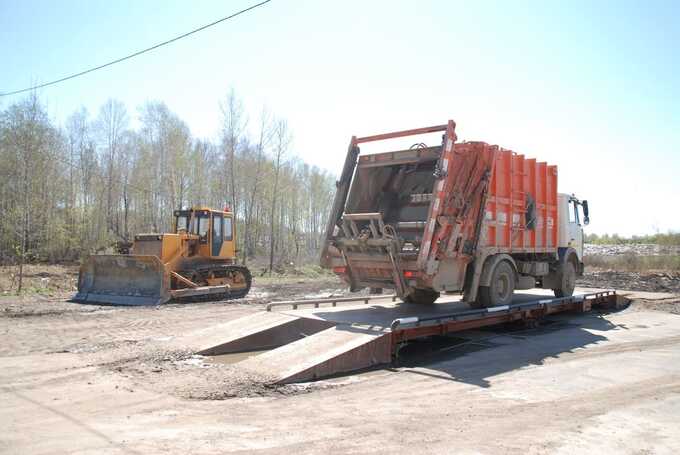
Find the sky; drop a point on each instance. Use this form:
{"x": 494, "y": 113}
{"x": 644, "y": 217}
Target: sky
{"x": 592, "y": 86}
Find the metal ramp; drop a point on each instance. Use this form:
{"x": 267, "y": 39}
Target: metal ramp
{"x": 255, "y": 332}
{"x": 322, "y": 341}
{"x": 339, "y": 349}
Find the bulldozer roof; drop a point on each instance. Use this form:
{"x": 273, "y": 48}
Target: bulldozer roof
{"x": 200, "y": 208}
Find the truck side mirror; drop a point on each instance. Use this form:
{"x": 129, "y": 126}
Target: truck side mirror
{"x": 586, "y": 217}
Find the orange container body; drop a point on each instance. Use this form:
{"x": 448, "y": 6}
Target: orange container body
{"x": 512, "y": 225}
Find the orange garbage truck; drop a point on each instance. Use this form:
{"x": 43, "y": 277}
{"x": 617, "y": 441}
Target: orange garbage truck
{"x": 455, "y": 217}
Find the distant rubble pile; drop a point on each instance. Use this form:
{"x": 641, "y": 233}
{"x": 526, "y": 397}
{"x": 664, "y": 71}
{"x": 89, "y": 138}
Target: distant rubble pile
{"x": 638, "y": 266}
{"x": 638, "y": 249}
{"x": 632, "y": 281}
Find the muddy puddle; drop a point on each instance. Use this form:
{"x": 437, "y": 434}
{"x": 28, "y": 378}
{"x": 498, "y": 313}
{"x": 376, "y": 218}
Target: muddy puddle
{"x": 230, "y": 359}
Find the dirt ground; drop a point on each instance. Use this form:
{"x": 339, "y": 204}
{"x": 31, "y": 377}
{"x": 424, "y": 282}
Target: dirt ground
{"x": 95, "y": 379}
{"x": 50, "y": 281}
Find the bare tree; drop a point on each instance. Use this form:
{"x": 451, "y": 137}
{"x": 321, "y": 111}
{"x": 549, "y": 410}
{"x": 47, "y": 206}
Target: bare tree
{"x": 282, "y": 140}
{"x": 264, "y": 137}
{"x": 112, "y": 122}
{"x": 25, "y": 135}
{"x": 233, "y": 124}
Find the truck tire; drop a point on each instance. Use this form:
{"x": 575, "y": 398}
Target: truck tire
{"x": 502, "y": 286}
{"x": 567, "y": 281}
{"x": 422, "y": 296}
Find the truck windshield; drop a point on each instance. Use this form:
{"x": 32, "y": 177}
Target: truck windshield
{"x": 573, "y": 213}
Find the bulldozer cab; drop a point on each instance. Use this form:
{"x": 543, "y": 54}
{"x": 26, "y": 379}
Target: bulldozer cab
{"x": 214, "y": 228}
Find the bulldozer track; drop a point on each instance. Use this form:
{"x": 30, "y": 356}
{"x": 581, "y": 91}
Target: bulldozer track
{"x": 232, "y": 294}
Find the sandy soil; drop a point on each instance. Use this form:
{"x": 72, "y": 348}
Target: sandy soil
{"x": 94, "y": 379}
{"x": 91, "y": 379}
{"x": 133, "y": 341}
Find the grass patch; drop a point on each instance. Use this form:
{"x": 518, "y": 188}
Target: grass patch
{"x": 307, "y": 272}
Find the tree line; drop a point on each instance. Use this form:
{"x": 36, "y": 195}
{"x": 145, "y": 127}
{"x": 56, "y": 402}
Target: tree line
{"x": 74, "y": 189}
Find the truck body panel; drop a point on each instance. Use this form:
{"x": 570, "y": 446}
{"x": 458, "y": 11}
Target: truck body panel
{"x": 521, "y": 210}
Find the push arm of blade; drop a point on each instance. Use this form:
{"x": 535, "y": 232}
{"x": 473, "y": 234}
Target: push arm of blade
{"x": 184, "y": 280}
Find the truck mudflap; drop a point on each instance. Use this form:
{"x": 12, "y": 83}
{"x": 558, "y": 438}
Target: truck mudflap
{"x": 123, "y": 280}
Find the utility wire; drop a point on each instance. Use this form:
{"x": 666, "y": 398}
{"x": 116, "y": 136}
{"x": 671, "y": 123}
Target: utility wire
{"x": 72, "y": 76}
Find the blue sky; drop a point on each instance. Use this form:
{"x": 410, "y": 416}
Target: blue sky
{"x": 593, "y": 87}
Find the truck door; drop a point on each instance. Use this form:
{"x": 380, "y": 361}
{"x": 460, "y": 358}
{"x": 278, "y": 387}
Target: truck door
{"x": 575, "y": 230}
{"x": 217, "y": 237}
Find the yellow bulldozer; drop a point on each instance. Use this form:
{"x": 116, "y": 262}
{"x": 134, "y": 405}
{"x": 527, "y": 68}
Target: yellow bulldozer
{"x": 196, "y": 261}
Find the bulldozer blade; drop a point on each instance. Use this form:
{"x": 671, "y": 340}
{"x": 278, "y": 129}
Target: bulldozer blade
{"x": 123, "y": 280}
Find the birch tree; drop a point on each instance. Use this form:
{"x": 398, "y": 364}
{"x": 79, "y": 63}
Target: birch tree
{"x": 282, "y": 140}
{"x": 233, "y": 124}
{"x": 111, "y": 123}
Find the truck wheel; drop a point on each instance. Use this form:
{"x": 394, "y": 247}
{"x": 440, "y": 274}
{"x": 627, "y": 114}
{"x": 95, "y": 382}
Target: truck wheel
{"x": 568, "y": 281}
{"x": 422, "y": 296}
{"x": 502, "y": 286}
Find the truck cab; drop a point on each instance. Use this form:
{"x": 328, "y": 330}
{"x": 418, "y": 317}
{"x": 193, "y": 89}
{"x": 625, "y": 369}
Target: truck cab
{"x": 573, "y": 215}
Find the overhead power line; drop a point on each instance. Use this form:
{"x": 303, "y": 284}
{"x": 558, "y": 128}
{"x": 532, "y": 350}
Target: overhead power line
{"x": 143, "y": 51}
